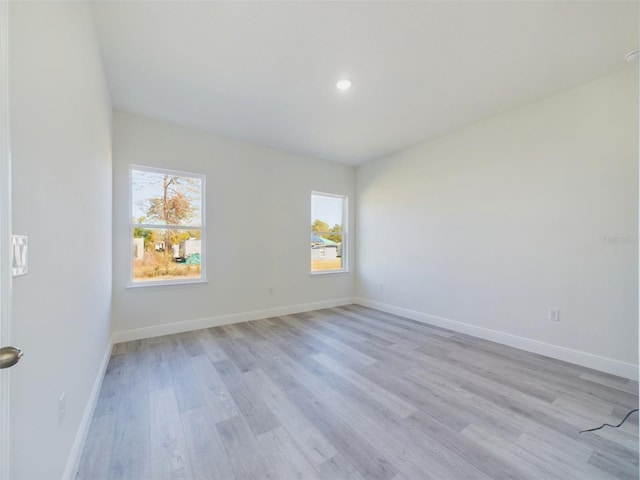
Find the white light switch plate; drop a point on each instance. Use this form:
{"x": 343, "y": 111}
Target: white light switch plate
{"x": 19, "y": 255}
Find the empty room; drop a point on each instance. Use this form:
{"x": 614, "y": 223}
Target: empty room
{"x": 319, "y": 240}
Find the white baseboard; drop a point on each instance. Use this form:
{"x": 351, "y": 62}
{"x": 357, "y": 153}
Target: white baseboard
{"x": 81, "y": 436}
{"x": 190, "y": 325}
{"x": 577, "y": 357}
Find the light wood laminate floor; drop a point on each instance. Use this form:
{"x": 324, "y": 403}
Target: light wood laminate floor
{"x": 353, "y": 393}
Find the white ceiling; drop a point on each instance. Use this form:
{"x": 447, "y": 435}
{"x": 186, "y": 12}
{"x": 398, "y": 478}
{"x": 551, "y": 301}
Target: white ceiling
{"x": 266, "y": 71}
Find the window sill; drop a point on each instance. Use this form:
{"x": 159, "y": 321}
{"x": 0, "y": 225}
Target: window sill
{"x": 328, "y": 272}
{"x": 166, "y": 283}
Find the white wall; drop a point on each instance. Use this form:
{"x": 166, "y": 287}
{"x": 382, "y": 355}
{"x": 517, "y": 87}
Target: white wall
{"x": 494, "y": 224}
{"x": 258, "y": 220}
{"x": 60, "y": 132}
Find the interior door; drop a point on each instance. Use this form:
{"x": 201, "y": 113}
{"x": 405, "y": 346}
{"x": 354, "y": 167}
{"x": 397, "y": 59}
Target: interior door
{"x": 5, "y": 236}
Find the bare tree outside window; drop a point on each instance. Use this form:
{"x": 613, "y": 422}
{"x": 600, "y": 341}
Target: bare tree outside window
{"x": 166, "y": 225}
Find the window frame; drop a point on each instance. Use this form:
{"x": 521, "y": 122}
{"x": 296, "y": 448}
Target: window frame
{"x": 345, "y": 232}
{"x": 202, "y": 228}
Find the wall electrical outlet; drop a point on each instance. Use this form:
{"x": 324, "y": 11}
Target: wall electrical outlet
{"x": 62, "y": 408}
{"x": 554, "y": 314}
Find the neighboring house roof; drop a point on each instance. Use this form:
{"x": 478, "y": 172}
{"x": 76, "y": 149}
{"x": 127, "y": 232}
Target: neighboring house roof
{"x": 317, "y": 239}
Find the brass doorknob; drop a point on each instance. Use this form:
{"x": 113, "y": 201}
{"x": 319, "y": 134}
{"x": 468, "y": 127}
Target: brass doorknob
{"x": 9, "y": 356}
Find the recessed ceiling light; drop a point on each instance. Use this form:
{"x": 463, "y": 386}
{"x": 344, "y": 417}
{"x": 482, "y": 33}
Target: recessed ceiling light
{"x": 343, "y": 84}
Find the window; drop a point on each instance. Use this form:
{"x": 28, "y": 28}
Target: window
{"x": 166, "y": 226}
{"x": 328, "y": 233}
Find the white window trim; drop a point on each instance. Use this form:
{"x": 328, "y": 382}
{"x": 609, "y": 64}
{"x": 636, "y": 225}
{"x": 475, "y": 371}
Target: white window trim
{"x": 202, "y": 228}
{"x": 345, "y": 233}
